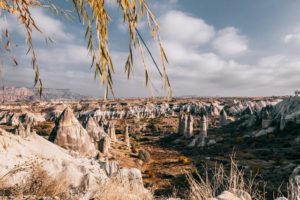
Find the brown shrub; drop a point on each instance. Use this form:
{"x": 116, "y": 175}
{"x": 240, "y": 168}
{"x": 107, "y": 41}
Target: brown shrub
{"x": 44, "y": 128}
{"x": 184, "y": 160}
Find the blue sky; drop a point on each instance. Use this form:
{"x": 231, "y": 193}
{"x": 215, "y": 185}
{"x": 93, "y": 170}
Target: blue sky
{"x": 215, "y": 48}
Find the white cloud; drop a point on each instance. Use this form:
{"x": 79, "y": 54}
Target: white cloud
{"x": 229, "y": 42}
{"x": 180, "y": 27}
{"x": 161, "y": 7}
{"x": 64, "y": 55}
{"x": 9, "y": 22}
{"x": 111, "y": 3}
{"x": 272, "y": 61}
{"x": 292, "y": 37}
{"x": 50, "y": 26}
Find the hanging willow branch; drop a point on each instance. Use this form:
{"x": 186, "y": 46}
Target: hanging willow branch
{"x": 94, "y": 16}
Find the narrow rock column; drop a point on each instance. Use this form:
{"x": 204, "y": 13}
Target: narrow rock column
{"x": 126, "y": 138}
{"x": 112, "y": 132}
{"x": 203, "y": 128}
{"x": 104, "y": 145}
{"x": 180, "y": 124}
{"x": 28, "y": 132}
{"x": 190, "y": 126}
{"x": 223, "y": 118}
{"x": 266, "y": 121}
{"x": 282, "y": 123}
{"x": 185, "y": 125}
{"x": 20, "y": 130}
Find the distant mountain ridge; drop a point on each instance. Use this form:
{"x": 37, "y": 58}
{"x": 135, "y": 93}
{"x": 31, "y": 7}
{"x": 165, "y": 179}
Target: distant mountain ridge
{"x": 13, "y": 94}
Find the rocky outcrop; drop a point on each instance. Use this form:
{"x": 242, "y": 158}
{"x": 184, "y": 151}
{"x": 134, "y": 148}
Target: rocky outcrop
{"x": 203, "y": 127}
{"x": 181, "y": 124}
{"x": 112, "y": 132}
{"x": 25, "y": 161}
{"x": 21, "y": 131}
{"x": 234, "y": 195}
{"x": 189, "y": 126}
{"x": 95, "y": 132}
{"x": 104, "y": 145}
{"x": 31, "y": 118}
{"x": 69, "y": 134}
{"x": 223, "y": 118}
{"x": 14, "y": 119}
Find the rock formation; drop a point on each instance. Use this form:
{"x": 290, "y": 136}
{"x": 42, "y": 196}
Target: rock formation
{"x": 126, "y": 136}
{"x": 234, "y": 195}
{"x": 37, "y": 159}
{"x": 266, "y": 120}
{"x": 181, "y": 124}
{"x": 112, "y": 132}
{"x": 69, "y": 134}
{"x": 20, "y": 130}
{"x": 223, "y": 118}
{"x": 95, "y": 131}
{"x": 203, "y": 127}
{"x": 32, "y": 118}
{"x": 282, "y": 123}
{"x": 190, "y": 126}
{"x": 104, "y": 145}
{"x": 14, "y": 120}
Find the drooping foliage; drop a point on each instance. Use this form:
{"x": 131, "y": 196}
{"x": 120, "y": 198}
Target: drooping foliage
{"x": 95, "y": 19}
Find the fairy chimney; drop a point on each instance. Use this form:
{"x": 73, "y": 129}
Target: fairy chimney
{"x": 69, "y": 134}
{"x": 223, "y": 118}
{"x": 126, "y": 138}
{"x": 112, "y": 132}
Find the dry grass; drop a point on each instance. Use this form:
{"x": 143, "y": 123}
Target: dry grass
{"x": 293, "y": 190}
{"x": 209, "y": 187}
{"x": 39, "y": 184}
{"x": 120, "y": 189}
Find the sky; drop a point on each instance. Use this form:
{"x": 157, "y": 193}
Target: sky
{"x": 214, "y": 48}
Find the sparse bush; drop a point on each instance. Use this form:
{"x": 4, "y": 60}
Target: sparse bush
{"x": 44, "y": 128}
{"x": 134, "y": 147}
{"x": 149, "y": 173}
{"x": 184, "y": 160}
{"x": 286, "y": 145}
{"x": 239, "y": 140}
{"x": 278, "y": 161}
{"x": 208, "y": 187}
{"x": 136, "y": 136}
{"x": 271, "y": 136}
{"x": 253, "y": 145}
{"x": 144, "y": 155}
{"x": 38, "y": 184}
{"x": 120, "y": 189}
{"x": 135, "y": 144}
{"x": 255, "y": 169}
